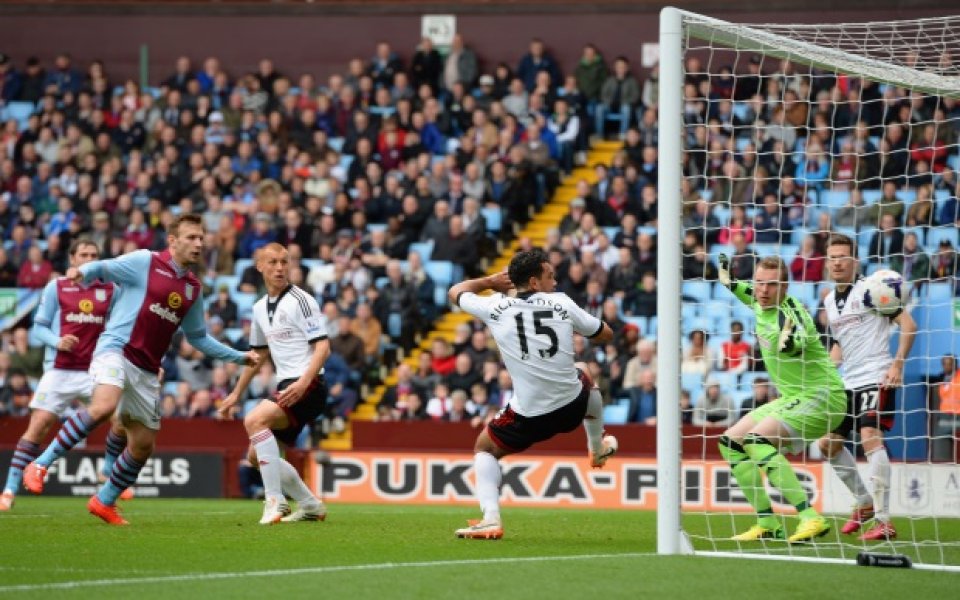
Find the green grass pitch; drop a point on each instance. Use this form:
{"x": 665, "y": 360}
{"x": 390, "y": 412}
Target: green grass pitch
{"x": 51, "y": 548}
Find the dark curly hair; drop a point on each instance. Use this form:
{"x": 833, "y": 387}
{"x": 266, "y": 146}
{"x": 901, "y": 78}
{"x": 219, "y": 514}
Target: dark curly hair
{"x": 525, "y": 265}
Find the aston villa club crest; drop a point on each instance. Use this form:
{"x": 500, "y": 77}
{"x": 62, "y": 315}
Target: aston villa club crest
{"x": 100, "y": 295}
{"x": 188, "y": 291}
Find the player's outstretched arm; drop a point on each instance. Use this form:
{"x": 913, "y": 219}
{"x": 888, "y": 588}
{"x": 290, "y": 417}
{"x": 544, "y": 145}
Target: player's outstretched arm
{"x": 244, "y": 381}
{"x": 498, "y": 283}
{"x": 127, "y": 269}
{"x": 195, "y": 330}
{"x": 742, "y": 290}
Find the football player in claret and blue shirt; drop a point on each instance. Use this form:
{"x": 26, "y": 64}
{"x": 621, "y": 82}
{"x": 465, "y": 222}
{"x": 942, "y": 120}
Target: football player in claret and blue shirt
{"x": 158, "y": 295}
{"x": 69, "y": 321}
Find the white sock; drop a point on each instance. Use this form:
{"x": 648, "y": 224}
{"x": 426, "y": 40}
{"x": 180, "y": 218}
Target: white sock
{"x": 846, "y": 468}
{"x": 487, "y": 469}
{"x": 268, "y": 455}
{"x": 880, "y": 480}
{"x": 293, "y": 486}
{"x": 593, "y": 422}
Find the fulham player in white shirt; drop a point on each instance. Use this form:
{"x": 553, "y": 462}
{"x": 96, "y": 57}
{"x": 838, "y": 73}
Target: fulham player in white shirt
{"x": 287, "y": 326}
{"x": 534, "y": 332}
{"x": 861, "y": 347}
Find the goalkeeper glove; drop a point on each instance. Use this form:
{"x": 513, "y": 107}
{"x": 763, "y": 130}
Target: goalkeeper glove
{"x": 786, "y": 342}
{"x": 724, "y": 271}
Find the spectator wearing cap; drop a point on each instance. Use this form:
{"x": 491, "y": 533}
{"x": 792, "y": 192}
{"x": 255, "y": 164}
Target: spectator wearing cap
{"x": 715, "y": 407}
{"x": 216, "y": 129}
{"x": 260, "y": 234}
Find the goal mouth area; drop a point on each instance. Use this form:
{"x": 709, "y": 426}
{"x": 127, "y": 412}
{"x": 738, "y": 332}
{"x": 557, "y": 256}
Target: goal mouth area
{"x": 855, "y": 88}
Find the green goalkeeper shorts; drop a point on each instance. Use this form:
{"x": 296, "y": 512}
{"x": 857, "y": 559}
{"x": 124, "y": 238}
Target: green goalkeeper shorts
{"x": 810, "y": 416}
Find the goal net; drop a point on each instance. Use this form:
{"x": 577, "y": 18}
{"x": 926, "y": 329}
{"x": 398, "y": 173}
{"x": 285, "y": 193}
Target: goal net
{"x": 772, "y": 137}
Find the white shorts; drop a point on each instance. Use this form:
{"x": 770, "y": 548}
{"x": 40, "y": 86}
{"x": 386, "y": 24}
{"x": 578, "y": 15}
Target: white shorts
{"x": 58, "y": 388}
{"x": 140, "y": 399}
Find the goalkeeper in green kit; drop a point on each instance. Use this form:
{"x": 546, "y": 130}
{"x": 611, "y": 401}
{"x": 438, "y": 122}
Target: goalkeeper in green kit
{"x": 812, "y": 402}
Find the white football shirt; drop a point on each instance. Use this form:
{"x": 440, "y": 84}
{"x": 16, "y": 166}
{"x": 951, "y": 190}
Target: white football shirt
{"x": 535, "y": 336}
{"x": 294, "y": 325}
{"x": 863, "y": 335}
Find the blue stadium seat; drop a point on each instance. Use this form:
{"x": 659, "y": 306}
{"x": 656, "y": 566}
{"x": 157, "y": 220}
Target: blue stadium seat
{"x": 335, "y": 143}
{"x": 494, "y": 218}
{"x": 241, "y": 265}
{"x": 615, "y": 414}
{"x": 20, "y": 111}
{"x": 611, "y": 232}
{"x": 693, "y": 383}
{"x": 371, "y": 227}
{"x": 727, "y": 380}
{"x": 834, "y": 199}
{"x": 442, "y": 273}
{"x": 244, "y": 304}
{"x": 935, "y": 234}
{"x": 939, "y": 292}
{"x": 701, "y": 291}
{"x": 424, "y": 249}
{"x": 647, "y": 229}
{"x": 804, "y": 292}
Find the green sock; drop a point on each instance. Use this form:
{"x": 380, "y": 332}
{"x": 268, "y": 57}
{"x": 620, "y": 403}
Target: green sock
{"x": 750, "y": 481}
{"x": 780, "y": 473}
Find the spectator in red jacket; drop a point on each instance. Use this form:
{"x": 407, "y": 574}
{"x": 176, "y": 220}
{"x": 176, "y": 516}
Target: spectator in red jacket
{"x": 808, "y": 265}
{"x": 35, "y": 272}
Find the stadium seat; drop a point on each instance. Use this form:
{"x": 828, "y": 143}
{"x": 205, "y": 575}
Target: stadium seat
{"x": 424, "y": 249}
{"x": 615, "y": 414}
{"x": 935, "y": 234}
{"x": 244, "y": 304}
{"x": 939, "y": 292}
{"x": 834, "y": 199}
{"x": 20, "y": 112}
{"x": 336, "y": 144}
{"x": 494, "y": 218}
{"x": 701, "y": 291}
{"x": 611, "y": 232}
{"x": 240, "y": 266}
{"x": 442, "y": 273}
{"x": 804, "y": 292}
{"x": 371, "y": 227}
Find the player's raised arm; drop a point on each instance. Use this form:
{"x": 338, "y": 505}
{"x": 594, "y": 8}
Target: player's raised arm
{"x": 128, "y": 269}
{"x": 741, "y": 289}
{"x": 498, "y": 283}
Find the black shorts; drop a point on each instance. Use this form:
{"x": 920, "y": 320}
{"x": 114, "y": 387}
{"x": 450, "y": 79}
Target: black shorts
{"x": 516, "y": 433}
{"x": 306, "y": 411}
{"x": 868, "y": 406}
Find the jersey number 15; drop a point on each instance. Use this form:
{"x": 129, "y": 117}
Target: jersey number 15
{"x": 540, "y": 329}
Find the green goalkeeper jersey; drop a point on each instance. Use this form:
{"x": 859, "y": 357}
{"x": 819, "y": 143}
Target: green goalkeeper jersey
{"x": 803, "y": 368}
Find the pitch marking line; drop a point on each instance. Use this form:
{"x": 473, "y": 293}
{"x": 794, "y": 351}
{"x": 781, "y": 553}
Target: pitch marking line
{"x": 68, "y": 585}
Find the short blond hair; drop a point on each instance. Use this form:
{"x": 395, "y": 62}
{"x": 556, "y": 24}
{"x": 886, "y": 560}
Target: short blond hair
{"x": 775, "y": 262}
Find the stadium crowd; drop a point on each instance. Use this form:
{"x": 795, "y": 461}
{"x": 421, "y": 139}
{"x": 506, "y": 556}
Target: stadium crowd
{"x": 398, "y": 176}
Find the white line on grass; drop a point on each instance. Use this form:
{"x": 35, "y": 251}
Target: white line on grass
{"x": 67, "y": 585}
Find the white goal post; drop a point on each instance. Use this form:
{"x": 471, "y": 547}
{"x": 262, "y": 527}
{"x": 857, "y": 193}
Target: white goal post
{"x": 910, "y": 60}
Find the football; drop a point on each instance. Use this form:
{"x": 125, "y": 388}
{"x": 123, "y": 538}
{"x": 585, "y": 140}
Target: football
{"x": 884, "y": 292}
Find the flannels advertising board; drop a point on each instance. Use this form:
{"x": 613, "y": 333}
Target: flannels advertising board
{"x": 166, "y": 475}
